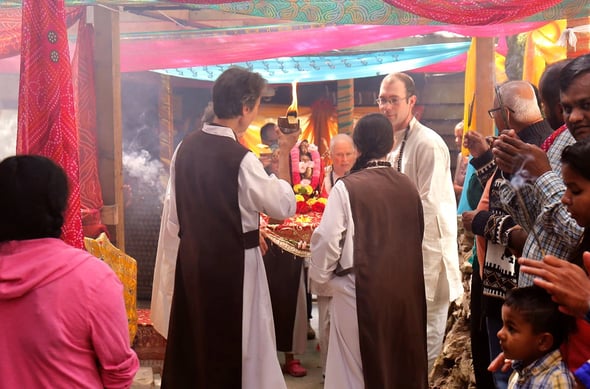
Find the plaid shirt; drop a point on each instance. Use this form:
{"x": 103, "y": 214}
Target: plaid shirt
{"x": 546, "y": 372}
{"x": 558, "y": 233}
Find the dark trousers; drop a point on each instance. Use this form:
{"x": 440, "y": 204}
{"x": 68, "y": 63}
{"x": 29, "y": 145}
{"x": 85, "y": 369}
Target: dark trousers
{"x": 479, "y": 335}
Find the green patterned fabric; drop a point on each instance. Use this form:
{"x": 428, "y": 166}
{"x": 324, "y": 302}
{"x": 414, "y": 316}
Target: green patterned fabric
{"x": 375, "y": 12}
{"x": 370, "y": 11}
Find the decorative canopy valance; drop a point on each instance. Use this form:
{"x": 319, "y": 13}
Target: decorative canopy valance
{"x": 335, "y": 67}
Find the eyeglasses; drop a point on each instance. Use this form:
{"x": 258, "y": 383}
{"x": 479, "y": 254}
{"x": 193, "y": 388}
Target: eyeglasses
{"x": 390, "y": 100}
{"x": 492, "y": 111}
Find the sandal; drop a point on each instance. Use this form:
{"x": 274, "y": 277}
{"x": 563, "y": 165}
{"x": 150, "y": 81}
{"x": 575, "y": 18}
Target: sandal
{"x": 294, "y": 368}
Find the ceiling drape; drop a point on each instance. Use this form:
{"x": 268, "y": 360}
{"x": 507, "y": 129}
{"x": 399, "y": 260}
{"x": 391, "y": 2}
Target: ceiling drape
{"x": 469, "y": 12}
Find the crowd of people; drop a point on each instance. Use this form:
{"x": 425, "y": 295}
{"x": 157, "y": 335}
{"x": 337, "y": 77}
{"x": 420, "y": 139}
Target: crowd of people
{"x": 384, "y": 260}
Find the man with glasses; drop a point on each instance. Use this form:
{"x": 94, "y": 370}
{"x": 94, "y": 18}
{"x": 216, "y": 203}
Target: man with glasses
{"x": 499, "y": 237}
{"x": 553, "y": 230}
{"x": 423, "y": 156}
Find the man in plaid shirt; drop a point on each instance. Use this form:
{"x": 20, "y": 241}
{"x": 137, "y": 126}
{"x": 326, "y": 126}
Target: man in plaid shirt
{"x": 551, "y": 229}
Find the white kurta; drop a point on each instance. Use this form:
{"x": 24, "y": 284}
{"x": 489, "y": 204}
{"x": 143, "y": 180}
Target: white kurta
{"x": 165, "y": 266}
{"x": 426, "y": 162}
{"x": 257, "y": 192}
{"x": 332, "y": 244}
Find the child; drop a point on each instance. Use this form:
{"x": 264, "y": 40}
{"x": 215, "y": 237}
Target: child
{"x": 575, "y": 170}
{"x": 533, "y": 329}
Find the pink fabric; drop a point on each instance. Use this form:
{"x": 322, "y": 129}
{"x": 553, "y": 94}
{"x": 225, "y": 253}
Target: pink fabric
{"x": 471, "y": 12}
{"x": 63, "y": 319}
{"x": 46, "y": 121}
{"x": 150, "y": 54}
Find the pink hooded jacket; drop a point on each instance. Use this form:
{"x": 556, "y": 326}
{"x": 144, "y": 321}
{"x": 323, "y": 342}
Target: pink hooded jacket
{"x": 62, "y": 319}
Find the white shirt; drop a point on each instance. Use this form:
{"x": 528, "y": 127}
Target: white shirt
{"x": 426, "y": 161}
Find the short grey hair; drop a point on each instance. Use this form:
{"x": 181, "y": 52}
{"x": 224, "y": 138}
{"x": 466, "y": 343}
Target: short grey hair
{"x": 338, "y": 138}
{"x": 520, "y": 97}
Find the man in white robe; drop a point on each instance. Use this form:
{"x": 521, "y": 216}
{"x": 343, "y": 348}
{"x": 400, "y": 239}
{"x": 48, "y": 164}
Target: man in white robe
{"x": 422, "y": 155}
{"x": 197, "y": 354}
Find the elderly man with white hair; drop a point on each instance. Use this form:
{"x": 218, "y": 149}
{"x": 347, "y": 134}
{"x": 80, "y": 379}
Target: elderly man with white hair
{"x": 343, "y": 155}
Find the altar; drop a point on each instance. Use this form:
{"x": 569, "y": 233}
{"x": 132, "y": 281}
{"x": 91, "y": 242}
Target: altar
{"x": 293, "y": 234}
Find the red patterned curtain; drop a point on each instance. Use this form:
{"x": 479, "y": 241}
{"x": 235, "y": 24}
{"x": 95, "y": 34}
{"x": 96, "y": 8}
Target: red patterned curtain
{"x": 46, "y": 121}
{"x": 470, "y": 12}
{"x": 85, "y": 103}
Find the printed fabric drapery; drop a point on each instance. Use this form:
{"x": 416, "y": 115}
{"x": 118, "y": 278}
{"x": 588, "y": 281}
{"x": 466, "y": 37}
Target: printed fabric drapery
{"x": 46, "y": 121}
{"x": 469, "y": 12}
{"x": 85, "y": 104}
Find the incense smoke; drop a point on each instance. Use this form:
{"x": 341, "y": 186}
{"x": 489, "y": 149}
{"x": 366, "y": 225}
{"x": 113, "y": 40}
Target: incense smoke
{"x": 8, "y": 127}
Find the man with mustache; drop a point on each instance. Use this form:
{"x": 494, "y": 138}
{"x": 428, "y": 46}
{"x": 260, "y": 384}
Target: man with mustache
{"x": 560, "y": 234}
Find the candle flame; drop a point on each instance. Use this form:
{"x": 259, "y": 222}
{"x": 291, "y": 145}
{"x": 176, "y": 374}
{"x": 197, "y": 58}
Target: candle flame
{"x": 292, "y": 110}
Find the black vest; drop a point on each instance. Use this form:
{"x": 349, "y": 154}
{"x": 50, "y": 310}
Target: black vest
{"x": 205, "y": 335}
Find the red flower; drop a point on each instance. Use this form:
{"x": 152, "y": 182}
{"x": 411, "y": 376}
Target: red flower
{"x": 318, "y": 206}
{"x": 302, "y": 207}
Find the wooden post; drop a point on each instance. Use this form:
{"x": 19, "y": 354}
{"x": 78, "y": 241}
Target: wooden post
{"x": 583, "y": 38}
{"x": 485, "y": 66}
{"x": 108, "y": 121}
{"x": 345, "y": 105}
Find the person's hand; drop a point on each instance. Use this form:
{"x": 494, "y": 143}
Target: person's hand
{"x": 467, "y": 220}
{"x": 266, "y": 159}
{"x": 500, "y": 363}
{"x": 512, "y": 154}
{"x": 287, "y": 141}
{"x": 516, "y": 241}
{"x": 476, "y": 143}
{"x": 567, "y": 283}
{"x": 262, "y": 241}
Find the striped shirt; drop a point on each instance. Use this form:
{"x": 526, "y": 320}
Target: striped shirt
{"x": 548, "y": 372}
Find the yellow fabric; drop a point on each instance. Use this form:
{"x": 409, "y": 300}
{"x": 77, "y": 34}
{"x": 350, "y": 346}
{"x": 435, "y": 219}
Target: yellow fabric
{"x": 469, "y": 117}
{"x": 541, "y": 49}
{"x": 125, "y": 268}
{"x": 469, "y": 96}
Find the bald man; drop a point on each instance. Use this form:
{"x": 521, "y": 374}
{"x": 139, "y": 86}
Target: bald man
{"x": 499, "y": 238}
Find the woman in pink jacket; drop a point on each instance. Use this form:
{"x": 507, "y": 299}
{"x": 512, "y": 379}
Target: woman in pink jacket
{"x": 63, "y": 321}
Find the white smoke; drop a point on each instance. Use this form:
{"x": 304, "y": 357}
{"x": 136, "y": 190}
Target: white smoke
{"x": 522, "y": 176}
{"x": 149, "y": 171}
{"x": 8, "y": 127}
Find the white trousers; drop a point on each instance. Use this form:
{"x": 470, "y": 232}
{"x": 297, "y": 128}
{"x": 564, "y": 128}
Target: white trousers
{"x": 436, "y": 318}
{"x": 324, "y": 328}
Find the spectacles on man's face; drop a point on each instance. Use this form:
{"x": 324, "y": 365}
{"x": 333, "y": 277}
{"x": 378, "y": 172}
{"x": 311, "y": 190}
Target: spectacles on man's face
{"x": 492, "y": 111}
{"x": 390, "y": 100}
